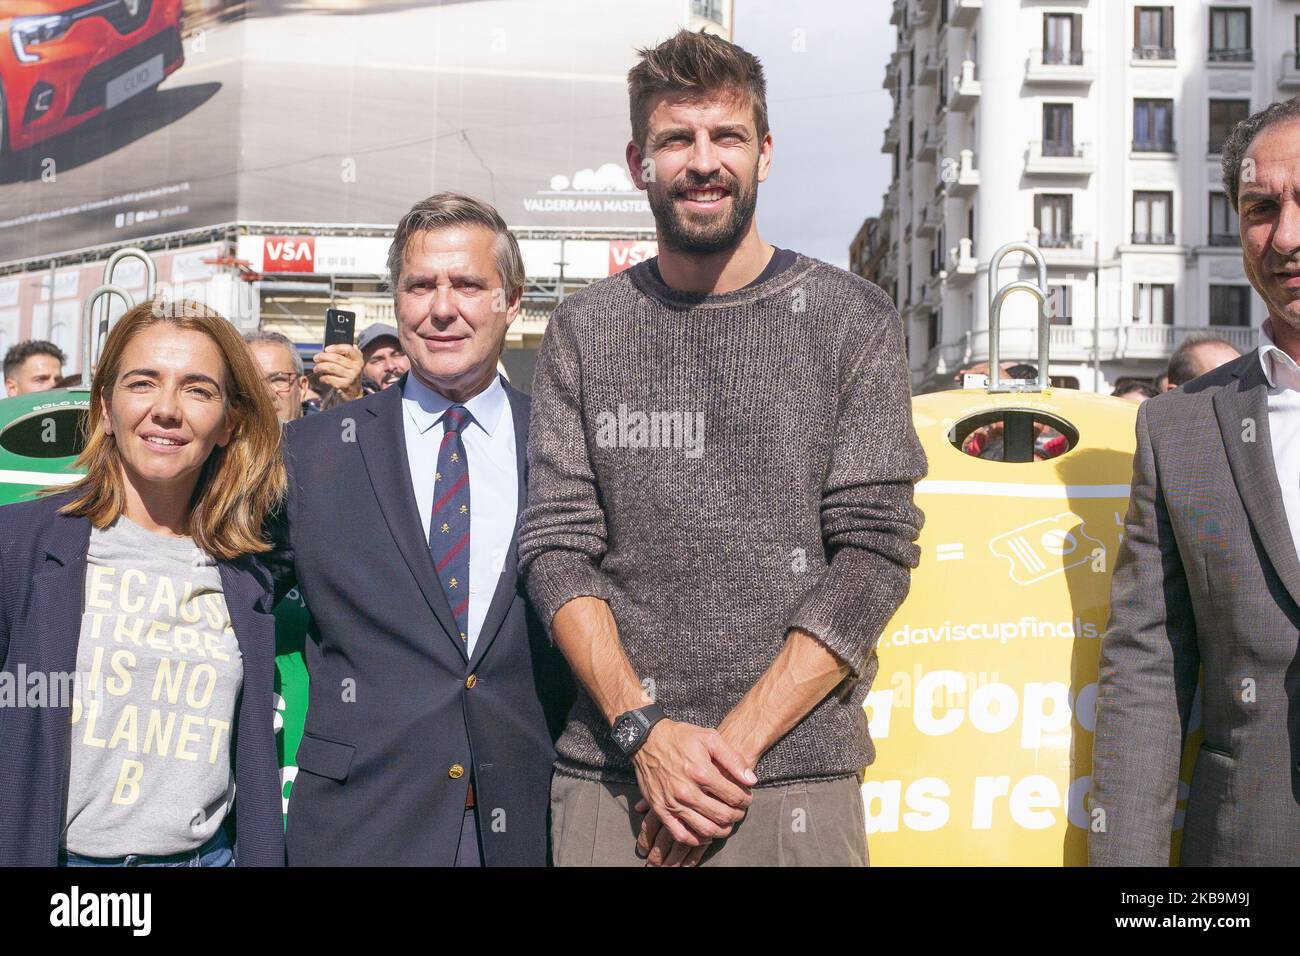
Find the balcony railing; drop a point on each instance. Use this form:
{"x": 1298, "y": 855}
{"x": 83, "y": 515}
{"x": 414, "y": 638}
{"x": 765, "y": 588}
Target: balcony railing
{"x": 1154, "y": 53}
{"x": 1154, "y": 146}
{"x": 968, "y": 174}
{"x": 1054, "y": 56}
{"x": 1059, "y": 66}
{"x": 1153, "y": 239}
{"x": 1052, "y": 147}
{"x": 1288, "y": 77}
{"x": 1055, "y": 157}
{"x": 965, "y": 87}
{"x": 929, "y": 66}
{"x": 1073, "y": 343}
{"x": 1064, "y": 241}
{"x": 964, "y": 12}
{"x": 962, "y": 261}
{"x": 1231, "y": 55}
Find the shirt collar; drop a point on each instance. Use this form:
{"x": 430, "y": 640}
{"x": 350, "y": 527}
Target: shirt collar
{"x": 1275, "y": 362}
{"x": 425, "y": 407}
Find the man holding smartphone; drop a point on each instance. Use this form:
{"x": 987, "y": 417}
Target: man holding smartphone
{"x": 338, "y": 365}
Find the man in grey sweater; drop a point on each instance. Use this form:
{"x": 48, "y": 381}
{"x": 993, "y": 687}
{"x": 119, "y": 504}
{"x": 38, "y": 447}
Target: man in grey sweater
{"x": 720, "y": 517}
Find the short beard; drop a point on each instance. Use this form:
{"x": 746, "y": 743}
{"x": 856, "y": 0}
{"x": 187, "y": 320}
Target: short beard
{"x": 680, "y": 236}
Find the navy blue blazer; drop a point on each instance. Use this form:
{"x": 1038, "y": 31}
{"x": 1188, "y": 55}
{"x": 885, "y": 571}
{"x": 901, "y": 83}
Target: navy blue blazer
{"x": 42, "y": 590}
{"x": 394, "y": 724}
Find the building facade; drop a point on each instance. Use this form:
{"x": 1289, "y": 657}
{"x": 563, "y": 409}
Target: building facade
{"x": 1091, "y": 129}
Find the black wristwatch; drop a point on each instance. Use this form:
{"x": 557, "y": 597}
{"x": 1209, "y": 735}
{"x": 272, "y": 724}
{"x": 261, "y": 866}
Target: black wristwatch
{"x": 631, "y": 729}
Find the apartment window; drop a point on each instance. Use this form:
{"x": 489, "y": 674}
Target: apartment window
{"x": 1229, "y": 35}
{"x": 943, "y": 83}
{"x": 943, "y": 13}
{"x": 911, "y": 67}
{"x": 1223, "y": 221}
{"x": 911, "y": 134}
{"x": 1153, "y": 126}
{"x": 909, "y": 284}
{"x": 932, "y": 336}
{"x": 1295, "y": 61}
{"x": 1062, "y": 38}
{"x": 1153, "y": 218}
{"x": 1230, "y": 305}
{"x": 1060, "y": 307}
{"x": 970, "y": 228}
{"x": 1052, "y": 214}
{"x": 1224, "y": 115}
{"x": 1153, "y": 303}
{"x": 1058, "y": 129}
{"x": 1153, "y": 33}
{"x": 709, "y": 9}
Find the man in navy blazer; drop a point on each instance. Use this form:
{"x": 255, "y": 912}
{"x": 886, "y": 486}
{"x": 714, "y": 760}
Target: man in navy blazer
{"x": 42, "y": 581}
{"x": 435, "y": 695}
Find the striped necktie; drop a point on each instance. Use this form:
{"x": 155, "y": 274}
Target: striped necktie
{"x": 449, "y": 522}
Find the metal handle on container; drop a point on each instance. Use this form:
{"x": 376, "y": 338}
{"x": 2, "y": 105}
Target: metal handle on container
{"x": 996, "y": 299}
{"x": 92, "y": 330}
{"x": 131, "y": 252}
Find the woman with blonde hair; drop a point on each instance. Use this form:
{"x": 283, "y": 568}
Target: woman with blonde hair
{"x": 133, "y": 598}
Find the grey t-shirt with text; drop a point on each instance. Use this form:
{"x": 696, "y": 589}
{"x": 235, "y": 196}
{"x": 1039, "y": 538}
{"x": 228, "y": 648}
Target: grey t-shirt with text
{"x": 158, "y": 674}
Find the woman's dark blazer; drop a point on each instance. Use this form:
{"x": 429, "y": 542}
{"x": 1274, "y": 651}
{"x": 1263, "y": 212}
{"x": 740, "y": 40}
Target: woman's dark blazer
{"x": 42, "y": 588}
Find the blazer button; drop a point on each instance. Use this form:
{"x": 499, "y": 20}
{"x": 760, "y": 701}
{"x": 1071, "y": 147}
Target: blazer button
{"x": 455, "y": 771}
{"x": 471, "y": 680}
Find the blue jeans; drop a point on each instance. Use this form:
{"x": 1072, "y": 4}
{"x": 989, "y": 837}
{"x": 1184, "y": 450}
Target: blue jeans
{"x": 216, "y": 852}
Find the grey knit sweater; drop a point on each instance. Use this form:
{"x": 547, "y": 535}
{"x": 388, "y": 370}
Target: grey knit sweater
{"x": 720, "y": 469}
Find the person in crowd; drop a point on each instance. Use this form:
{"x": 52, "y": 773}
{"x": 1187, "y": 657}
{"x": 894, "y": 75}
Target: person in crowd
{"x": 435, "y": 696}
{"x": 1198, "y": 353}
{"x": 1207, "y": 581}
{"x": 33, "y": 366}
{"x": 138, "y": 579}
{"x": 385, "y": 361}
{"x": 1134, "y": 389}
{"x": 338, "y": 368}
{"x": 718, "y": 586}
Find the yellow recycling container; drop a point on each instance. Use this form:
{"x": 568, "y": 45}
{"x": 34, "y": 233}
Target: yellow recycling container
{"x": 983, "y": 709}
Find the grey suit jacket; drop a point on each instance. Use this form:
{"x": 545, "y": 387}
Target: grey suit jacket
{"x": 1207, "y": 577}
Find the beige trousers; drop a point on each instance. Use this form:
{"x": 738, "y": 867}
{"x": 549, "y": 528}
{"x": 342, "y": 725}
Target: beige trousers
{"x": 804, "y": 824}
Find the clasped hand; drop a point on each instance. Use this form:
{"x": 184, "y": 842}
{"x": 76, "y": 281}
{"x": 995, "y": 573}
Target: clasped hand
{"x": 695, "y": 787}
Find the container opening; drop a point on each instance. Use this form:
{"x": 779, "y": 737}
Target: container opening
{"x": 49, "y": 433}
{"x": 1017, "y": 435}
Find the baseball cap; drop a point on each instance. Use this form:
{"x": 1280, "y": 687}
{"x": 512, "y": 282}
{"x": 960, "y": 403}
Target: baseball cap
{"x": 377, "y": 331}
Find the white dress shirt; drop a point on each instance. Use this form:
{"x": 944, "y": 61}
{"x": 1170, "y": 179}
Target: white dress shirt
{"x": 1283, "y": 375}
{"x": 493, "y": 479}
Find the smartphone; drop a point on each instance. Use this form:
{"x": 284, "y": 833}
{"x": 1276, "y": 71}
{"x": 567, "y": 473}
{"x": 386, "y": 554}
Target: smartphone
{"x": 340, "y": 327}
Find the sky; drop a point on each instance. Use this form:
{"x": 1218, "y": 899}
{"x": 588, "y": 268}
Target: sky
{"x": 824, "y": 61}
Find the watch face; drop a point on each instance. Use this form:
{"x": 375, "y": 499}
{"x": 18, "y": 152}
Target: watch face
{"x": 626, "y": 733}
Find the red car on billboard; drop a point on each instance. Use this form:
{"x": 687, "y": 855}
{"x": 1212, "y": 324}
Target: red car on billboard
{"x": 63, "y": 62}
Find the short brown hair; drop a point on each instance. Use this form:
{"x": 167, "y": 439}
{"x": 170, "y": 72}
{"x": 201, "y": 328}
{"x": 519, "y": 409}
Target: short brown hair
{"x": 239, "y": 484}
{"x": 443, "y": 210}
{"x": 694, "y": 63}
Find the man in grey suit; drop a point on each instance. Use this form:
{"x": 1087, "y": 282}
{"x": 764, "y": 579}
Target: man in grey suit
{"x": 1207, "y": 575}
